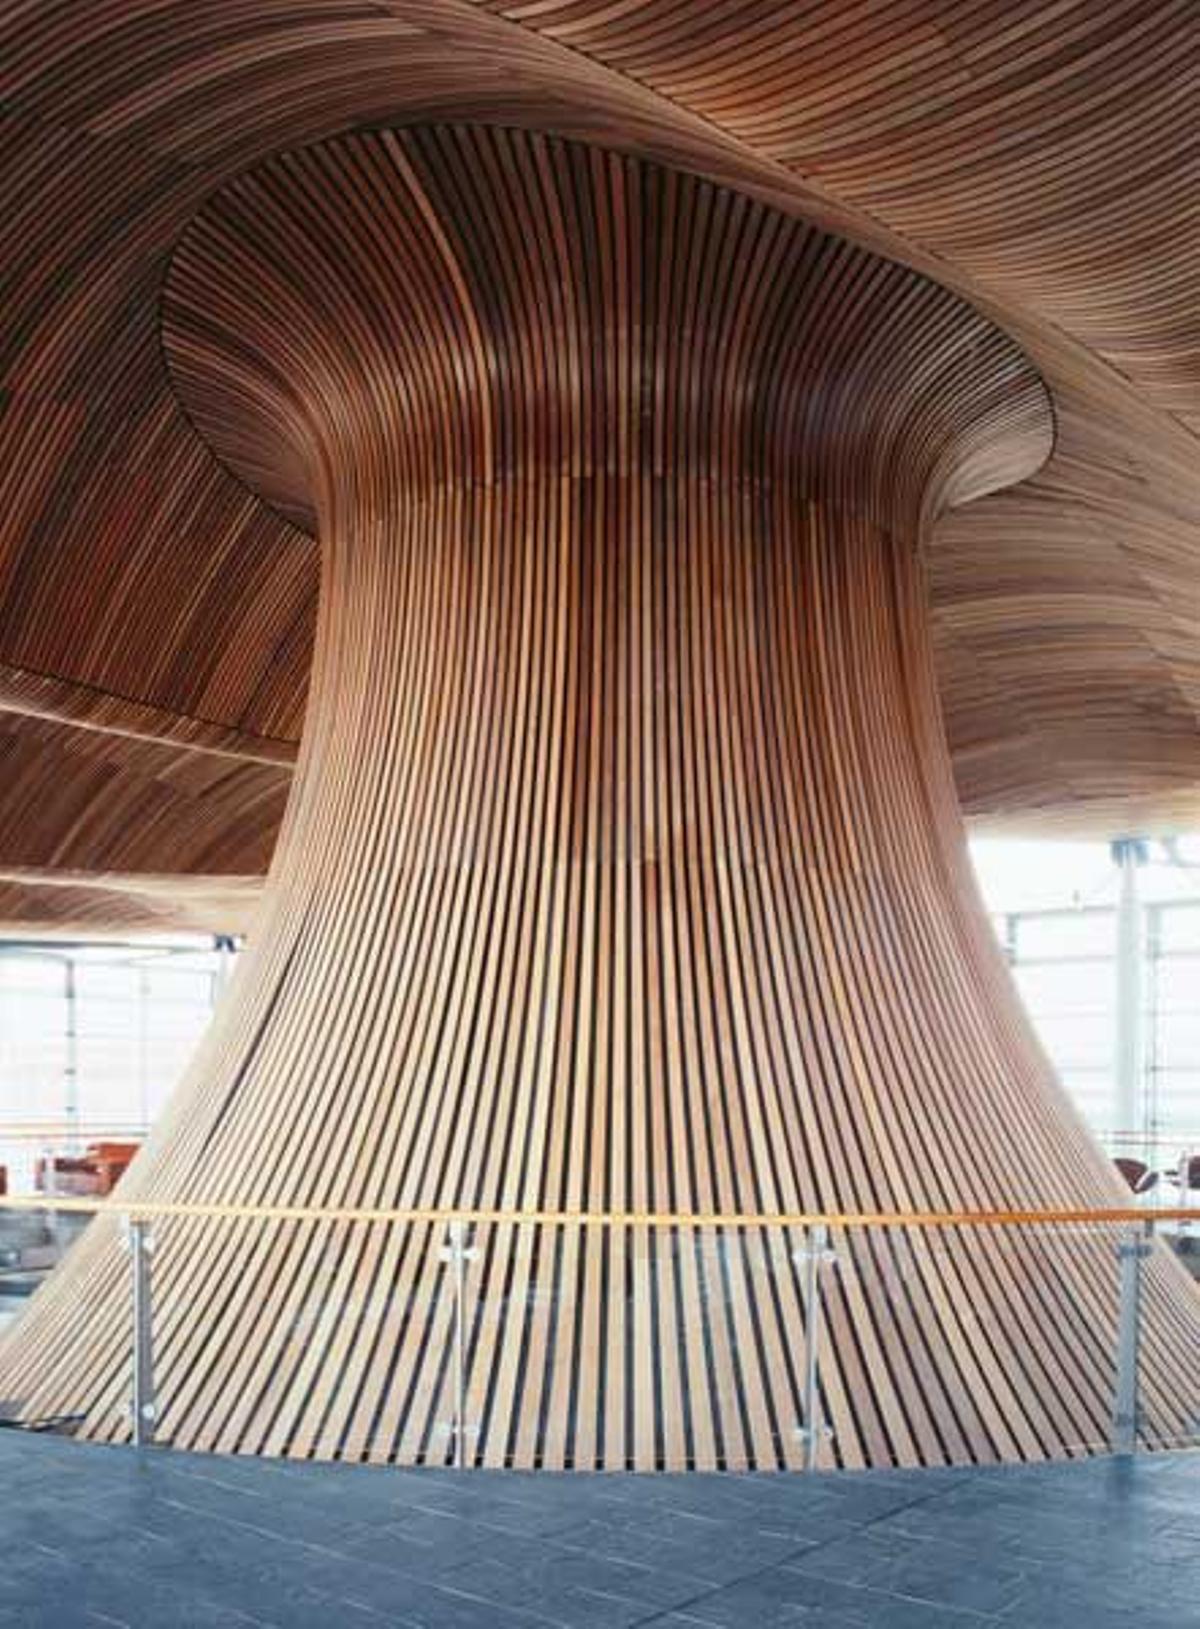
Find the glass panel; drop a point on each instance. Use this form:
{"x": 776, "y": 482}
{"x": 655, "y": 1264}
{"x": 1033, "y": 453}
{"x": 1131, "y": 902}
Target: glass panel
{"x": 1077, "y": 1045}
{"x": 99, "y": 1016}
{"x": 1179, "y": 927}
{"x": 1178, "y": 1036}
{"x": 1177, "y": 983}
{"x": 32, "y": 973}
{"x": 101, "y": 982}
{"x": 137, "y": 1016}
{"x": 32, "y": 1243}
{"x": 1073, "y": 933}
{"x": 178, "y": 986}
{"x": 629, "y": 1347}
{"x": 1077, "y": 988}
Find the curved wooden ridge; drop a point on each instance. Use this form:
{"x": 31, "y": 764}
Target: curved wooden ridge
{"x": 623, "y": 872}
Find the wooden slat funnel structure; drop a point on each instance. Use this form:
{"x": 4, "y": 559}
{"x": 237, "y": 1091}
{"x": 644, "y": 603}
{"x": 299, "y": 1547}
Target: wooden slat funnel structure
{"x": 623, "y": 870}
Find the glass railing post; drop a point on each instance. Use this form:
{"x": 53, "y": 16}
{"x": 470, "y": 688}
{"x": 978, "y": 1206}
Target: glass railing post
{"x": 457, "y": 1254}
{"x": 1131, "y": 1252}
{"x": 812, "y": 1257}
{"x": 140, "y": 1243}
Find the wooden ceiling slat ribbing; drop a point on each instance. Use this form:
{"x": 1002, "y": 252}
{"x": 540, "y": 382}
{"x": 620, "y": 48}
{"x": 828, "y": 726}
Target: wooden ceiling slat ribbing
{"x": 1039, "y": 160}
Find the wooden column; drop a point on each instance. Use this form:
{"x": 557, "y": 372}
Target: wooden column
{"x": 623, "y": 869}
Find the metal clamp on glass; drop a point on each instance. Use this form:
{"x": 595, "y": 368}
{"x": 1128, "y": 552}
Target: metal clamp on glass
{"x": 142, "y": 1408}
{"x": 812, "y": 1257}
{"x": 457, "y": 1254}
{"x": 1131, "y": 1252}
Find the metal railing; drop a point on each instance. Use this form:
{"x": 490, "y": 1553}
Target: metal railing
{"x": 812, "y": 1260}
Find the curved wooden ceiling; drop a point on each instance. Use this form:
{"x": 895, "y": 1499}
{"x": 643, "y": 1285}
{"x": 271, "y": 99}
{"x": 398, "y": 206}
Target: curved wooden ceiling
{"x": 1038, "y": 160}
{"x": 879, "y": 390}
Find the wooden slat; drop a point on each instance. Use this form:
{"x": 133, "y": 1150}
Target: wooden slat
{"x": 53, "y": 901}
{"x": 40, "y": 696}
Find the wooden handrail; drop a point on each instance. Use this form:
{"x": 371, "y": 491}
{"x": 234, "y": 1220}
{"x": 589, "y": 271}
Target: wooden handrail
{"x": 143, "y": 1208}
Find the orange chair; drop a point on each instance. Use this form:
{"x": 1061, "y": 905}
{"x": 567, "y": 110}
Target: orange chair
{"x": 109, "y": 1161}
{"x": 92, "y": 1174}
{"x": 67, "y": 1175}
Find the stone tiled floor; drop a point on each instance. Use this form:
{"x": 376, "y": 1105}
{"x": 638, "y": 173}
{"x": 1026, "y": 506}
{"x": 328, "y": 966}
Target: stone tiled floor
{"x": 95, "y": 1536}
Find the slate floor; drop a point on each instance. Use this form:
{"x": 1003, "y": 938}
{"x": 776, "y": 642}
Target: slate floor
{"x": 95, "y": 1536}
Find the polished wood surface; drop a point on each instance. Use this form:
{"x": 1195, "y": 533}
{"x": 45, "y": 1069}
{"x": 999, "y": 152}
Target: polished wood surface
{"x": 1045, "y": 160}
{"x": 623, "y": 871}
{"x": 48, "y": 902}
{"x": 1038, "y": 159}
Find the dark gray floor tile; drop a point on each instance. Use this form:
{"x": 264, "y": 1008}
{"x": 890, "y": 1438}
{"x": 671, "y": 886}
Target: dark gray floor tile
{"x": 96, "y": 1537}
{"x": 924, "y": 1569}
{"x": 789, "y": 1600}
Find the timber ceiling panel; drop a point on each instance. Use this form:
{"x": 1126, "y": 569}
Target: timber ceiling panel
{"x": 1040, "y": 160}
